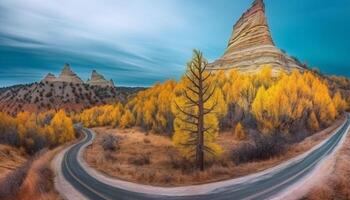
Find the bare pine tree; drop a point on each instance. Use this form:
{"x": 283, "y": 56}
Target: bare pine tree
{"x": 198, "y": 91}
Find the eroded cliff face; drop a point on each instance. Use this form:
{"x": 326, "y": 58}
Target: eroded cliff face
{"x": 251, "y": 45}
{"x": 251, "y": 30}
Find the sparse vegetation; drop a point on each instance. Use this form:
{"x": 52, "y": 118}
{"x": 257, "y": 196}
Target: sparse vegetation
{"x": 168, "y": 168}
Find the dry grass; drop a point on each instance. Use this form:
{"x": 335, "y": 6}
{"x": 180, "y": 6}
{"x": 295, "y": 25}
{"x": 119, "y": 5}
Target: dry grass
{"x": 152, "y": 159}
{"x": 34, "y": 180}
{"x": 10, "y": 159}
{"x": 337, "y": 186}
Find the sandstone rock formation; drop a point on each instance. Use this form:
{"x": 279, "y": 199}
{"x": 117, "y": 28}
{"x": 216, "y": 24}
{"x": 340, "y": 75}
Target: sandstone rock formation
{"x": 50, "y": 78}
{"x": 98, "y": 79}
{"x": 67, "y": 75}
{"x": 251, "y": 45}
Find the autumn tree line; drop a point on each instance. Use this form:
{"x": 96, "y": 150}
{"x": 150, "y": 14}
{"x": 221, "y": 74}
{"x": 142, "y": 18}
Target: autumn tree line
{"x": 35, "y": 131}
{"x": 284, "y": 103}
{"x": 202, "y": 103}
{"x": 267, "y": 102}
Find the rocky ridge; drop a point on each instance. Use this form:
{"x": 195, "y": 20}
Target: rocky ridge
{"x": 67, "y": 91}
{"x": 68, "y": 76}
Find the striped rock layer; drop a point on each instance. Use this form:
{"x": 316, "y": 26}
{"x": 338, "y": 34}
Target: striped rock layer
{"x": 251, "y": 46}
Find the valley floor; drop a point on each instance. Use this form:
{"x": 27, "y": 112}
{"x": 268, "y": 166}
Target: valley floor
{"x": 152, "y": 159}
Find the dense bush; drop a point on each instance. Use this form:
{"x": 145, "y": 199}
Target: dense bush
{"x": 110, "y": 142}
{"x": 34, "y": 131}
{"x": 264, "y": 147}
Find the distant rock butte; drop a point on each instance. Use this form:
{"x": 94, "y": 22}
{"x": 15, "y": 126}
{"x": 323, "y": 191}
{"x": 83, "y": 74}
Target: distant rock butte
{"x": 67, "y": 75}
{"x": 50, "y": 77}
{"x": 251, "y": 45}
{"x": 98, "y": 79}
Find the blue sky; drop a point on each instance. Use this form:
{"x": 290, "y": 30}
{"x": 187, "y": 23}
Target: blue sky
{"x": 140, "y": 42}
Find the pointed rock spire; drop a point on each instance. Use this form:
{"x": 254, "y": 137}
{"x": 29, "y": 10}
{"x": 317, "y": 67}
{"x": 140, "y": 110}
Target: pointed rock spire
{"x": 49, "y": 77}
{"x": 251, "y": 46}
{"x": 67, "y": 75}
{"x": 251, "y": 29}
{"x": 98, "y": 79}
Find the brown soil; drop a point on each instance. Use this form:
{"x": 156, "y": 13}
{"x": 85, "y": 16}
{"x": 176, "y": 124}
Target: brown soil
{"x": 152, "y": 159}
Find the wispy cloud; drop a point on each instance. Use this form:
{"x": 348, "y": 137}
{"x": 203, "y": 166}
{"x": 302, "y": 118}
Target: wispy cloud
{"x": 139, "y": 42}
{"x": 106, "y": 32}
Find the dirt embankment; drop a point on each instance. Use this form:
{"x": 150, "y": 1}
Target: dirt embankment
{"x": 10, "y": 159}
{"x": 33, "y": 179}
{"x": 152, "y": 159}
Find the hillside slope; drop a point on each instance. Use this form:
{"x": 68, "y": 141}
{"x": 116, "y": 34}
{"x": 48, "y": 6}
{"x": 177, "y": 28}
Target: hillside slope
{"x": 55, "y": 95}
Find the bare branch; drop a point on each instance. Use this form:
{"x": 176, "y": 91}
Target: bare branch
{"x": 189, "y": 130}
{"x": 187, "y": 87}
{"x": 209, "y": 150}
{"x": 207, "y": 129}
{"x": 193, "y": 73}
{"x": 192, "y": 81}
{"x": 206, "y": 88}
{"x": 184, "y": 112}
{"x": 188, "y": 122}
{"x": 209, "y": 96}
{"x": 207, "y": 111}
{"x": 207, "y": 76}
{"x": 205, "y": 66}
{"x": 189, "y": 98}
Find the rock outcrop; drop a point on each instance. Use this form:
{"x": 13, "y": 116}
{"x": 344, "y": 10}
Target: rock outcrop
{"x": 50, "y": 78}
{"x": 98, "y": 79}
{"x": 67, "y": 75}
{"x": 251, "y": 45}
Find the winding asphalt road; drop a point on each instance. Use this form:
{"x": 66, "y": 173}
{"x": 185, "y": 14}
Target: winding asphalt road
{"x": 264, "y": 187}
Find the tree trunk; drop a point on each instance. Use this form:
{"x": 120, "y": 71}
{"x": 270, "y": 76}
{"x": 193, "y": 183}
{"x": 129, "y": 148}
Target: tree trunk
{"x": 200, "y": 145}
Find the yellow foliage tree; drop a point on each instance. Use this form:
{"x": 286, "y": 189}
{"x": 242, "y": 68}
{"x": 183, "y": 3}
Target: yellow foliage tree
{"x": 116, "y": 114}
{"x": 313, "y": 122}
{"x": 152, "y": 108}
{"x": 339, "y": 103}
{"x": 290, "y": 99}
{"x": 239, "y": 132}
{"x": 61, "y": 128}
{"x": 196, "y": 124}
{"x": 127, "y": 119}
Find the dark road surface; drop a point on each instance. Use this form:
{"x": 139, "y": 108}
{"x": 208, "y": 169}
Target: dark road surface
{"x": 263, "y": 187}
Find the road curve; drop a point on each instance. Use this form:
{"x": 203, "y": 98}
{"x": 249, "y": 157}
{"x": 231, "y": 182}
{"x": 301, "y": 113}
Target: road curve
{"x": 259, "y": 186}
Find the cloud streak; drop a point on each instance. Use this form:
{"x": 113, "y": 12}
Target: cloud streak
{"x": 135, "y": 42}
